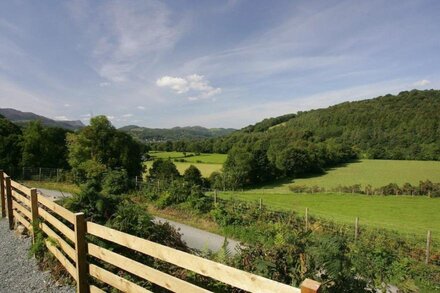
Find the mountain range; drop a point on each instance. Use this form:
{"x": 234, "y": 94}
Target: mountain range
{"x": 21, "y": 118}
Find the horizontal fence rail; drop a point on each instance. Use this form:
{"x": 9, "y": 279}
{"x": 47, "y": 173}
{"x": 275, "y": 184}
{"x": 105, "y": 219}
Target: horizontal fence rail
{"x": 66, "y": 238}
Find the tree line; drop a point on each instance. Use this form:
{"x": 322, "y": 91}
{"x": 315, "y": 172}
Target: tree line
{"x": 90, "y": 152}
{"x": 401, "y": 127}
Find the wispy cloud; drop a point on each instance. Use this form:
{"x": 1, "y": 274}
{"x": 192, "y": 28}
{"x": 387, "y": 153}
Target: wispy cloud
{"x": 127, "y": 36}
{"x": 140, "y": 107}
{"x": 196, "y": 84}
{"x": 422, "y": 82}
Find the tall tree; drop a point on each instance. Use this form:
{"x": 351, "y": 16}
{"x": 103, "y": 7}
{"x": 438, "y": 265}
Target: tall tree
{"x": 10, "y": 144}
{"x": 102, "y": 146}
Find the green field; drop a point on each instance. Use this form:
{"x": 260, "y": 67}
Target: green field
{"x": 405, "y": 214}
{"x": 206, "y": 163}
{"x": 202, "y": 158}
{"x": 374, "y": 172}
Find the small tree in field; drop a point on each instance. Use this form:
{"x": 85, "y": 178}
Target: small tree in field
{"x": 193, "y": 176}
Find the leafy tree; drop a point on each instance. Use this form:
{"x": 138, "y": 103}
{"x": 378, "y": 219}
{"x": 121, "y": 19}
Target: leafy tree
{"x": 163, "y": 170}
{"x": 193, "y": 176}
{"x": 10, "y": 144}
{"x": 104, "y": 145}
{"x": 44, "y": 146}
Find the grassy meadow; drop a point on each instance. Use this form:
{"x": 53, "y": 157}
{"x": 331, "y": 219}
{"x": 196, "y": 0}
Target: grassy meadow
{"x": 206, "y": 163}
{"x": 377, "y": 173}
{"x": 404, "y": 214}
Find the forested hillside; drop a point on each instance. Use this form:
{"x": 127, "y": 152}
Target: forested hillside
{"x": 403, "y": 126}
{"x": 176, "y": 133}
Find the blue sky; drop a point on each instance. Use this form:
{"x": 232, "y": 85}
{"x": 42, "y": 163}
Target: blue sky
{"x": 211, "y": 63}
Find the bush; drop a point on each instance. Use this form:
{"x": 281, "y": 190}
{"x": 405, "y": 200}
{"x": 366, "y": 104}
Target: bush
{"x": 133, "y": 219}
{"x": 116, "y": 182}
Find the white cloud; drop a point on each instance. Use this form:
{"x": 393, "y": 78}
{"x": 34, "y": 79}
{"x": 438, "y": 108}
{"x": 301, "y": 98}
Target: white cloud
{"x": 422, "y": 82}
{"x": 110, "y": 117}
{"x": 194, "y": 83}
{"x": 127, "y": 115}
{"x": 67, "y": 105}
{"x": 178, "y": 84}
{"x": 61, "y": 118}
{"x": 140, "y": 107}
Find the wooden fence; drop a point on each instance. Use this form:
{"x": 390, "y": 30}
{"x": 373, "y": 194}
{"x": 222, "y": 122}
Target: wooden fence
{"x": 66, "y": 240}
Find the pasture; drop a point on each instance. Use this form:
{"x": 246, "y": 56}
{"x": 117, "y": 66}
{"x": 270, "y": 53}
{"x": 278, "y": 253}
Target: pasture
{"x": 206, "y": 163}
{"x": 377, "y": 173}
{"x": 191, "y": 157}
{"x": 404, "y": 214}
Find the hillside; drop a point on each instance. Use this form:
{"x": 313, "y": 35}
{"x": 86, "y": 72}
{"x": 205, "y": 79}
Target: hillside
{"x": 404, "y": 126}
{"x": 21, "y": 118}
{"x": 176, "y": 133}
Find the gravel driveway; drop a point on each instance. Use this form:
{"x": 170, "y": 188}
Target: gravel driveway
{"x": 18, "y": 272}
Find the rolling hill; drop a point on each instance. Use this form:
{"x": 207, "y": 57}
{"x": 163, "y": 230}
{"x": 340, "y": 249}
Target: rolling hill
{"x": 20, "y": 118}
{"x": 176, "y": 133}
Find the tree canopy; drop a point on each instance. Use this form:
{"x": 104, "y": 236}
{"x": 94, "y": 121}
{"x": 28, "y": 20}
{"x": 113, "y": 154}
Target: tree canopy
{"x": 102, "y": 146}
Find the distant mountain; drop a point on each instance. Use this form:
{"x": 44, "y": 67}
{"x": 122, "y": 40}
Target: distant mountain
{"x": 176, "y": 133}
{"x": 21, "y": 118}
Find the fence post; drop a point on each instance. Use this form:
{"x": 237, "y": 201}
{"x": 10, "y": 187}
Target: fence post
{"x": 261, "y": 203}
{"x": 307, "y": 218}
{"x": 81, "y": 253}
{"x": 310, "y": 286}
{"x": 2, "y": 193}
{"x": 215, "y": 196}
{"x": 9, "y": 202}
{"x": 34, "y": 210}
{"x": 428, "y": 246}
{"x": 356, "y": 228}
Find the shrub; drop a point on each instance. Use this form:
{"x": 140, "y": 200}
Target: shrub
{"x": 116, "y": 182}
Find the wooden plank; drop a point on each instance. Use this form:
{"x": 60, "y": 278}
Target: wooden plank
{"x": 23, "y": 221}
{"x": 155, "y": 276}
{"x": 205, "y": 267}
{"x": 62, "y": 259}
{"x": 2, "y": 193}
{"x": 34, "y": 211}
{"x": 115, "y": 281}
{"x": 61, "y": 242}
{"x": 21, "y": 198}
{"x": 82, "y": 285}
{"x": 57, "y": 224}
{"x": 310, "y": 286}
{"x": 9, "y": 202}
{"x": 94, "y": 289}
{"x": 22, "y": 209}
{"x": 63, "y": 212}
{"x": 21, "y": 188}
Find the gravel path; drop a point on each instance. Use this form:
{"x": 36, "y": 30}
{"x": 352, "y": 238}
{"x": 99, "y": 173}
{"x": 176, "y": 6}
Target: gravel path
{"x": 18, "y": 272}
{"x": 201, "y": 239}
